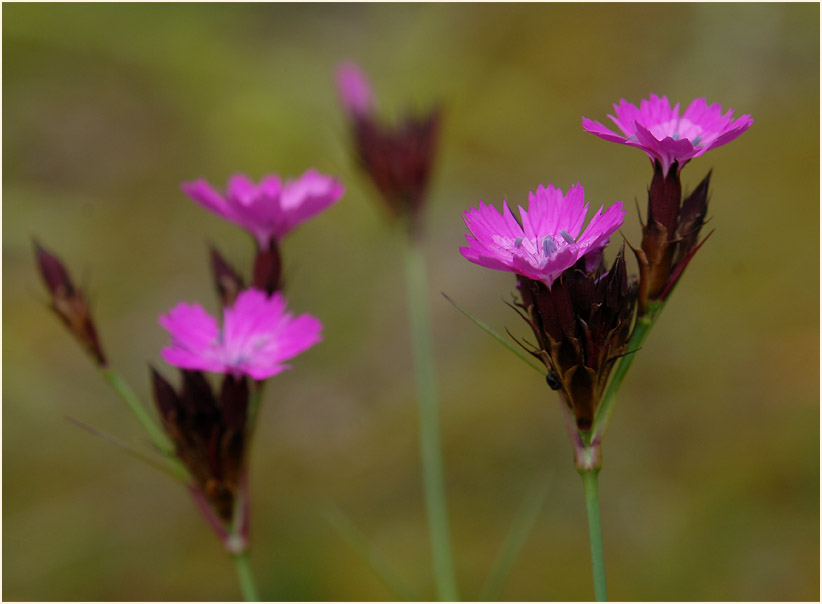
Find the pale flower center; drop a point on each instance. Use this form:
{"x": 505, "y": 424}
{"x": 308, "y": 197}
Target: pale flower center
{"x": 244, "y": 351}
{"x": 537, "y": 251}
{"x": 677, "y": 129}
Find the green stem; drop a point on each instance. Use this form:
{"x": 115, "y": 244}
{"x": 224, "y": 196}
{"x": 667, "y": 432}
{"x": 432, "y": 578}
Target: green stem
{"x": 159, "y": 438}
{"x": 642, "y": 328}
{"x": 245, "y": 576}
{"x": 589, "y": 481}
{"x": 430, "y": 445}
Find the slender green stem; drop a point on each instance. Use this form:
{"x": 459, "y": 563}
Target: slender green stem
{"x": 589, "y": 481}
{"x": 642, "y": 328}
{"x": 430, "y": 445}
{"x": 245, "y": 576}
{"x": 159, "y": 438}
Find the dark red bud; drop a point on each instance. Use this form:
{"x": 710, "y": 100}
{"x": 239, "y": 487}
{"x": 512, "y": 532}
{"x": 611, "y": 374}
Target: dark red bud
{"x": 399, "y": 159}
{"x": 68, "y": 302}
{"x": 228, "y": 281}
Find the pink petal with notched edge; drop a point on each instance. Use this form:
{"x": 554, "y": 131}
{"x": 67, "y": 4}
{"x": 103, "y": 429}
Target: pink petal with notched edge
{"x": 307, "y": 196}
{"x": 204, "y": 194}
{"x": 194, "y": 336}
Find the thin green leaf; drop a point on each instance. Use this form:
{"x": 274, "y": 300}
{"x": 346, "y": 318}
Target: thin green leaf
{"x": 489, "y": 330}
{"x": 512, "y": 547}
{"x": 154, "y": 463}
{"x": 355, "y": 538}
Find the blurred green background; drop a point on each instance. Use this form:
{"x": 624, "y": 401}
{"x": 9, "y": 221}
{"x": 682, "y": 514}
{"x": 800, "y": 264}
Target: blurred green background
{"x": 710, "y": 488}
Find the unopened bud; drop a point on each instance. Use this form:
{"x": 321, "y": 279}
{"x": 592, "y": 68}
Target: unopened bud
{"x": 227, "y": 280}
{"x": 669, "y": 239}
{"x": 68, "y": 302}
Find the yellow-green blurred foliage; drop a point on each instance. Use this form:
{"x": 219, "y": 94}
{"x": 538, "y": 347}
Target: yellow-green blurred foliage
{"x": 710, "y": 488}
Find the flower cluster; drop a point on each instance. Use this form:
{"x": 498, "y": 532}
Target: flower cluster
{"x": 209, "y": 432}
{"x": 581, "y": 313}
{"x": 257, "y": 336}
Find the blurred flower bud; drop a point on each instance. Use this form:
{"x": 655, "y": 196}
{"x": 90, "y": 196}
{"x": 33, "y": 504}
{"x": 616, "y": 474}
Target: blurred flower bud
{"x": 582, "y": 325}
{"x": 398, "y": 158}
{"x": 228, "y": 281}
{"x": 68, "y": 302}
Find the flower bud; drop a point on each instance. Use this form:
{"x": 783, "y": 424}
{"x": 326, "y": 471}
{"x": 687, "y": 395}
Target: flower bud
{"x": 398, "y": 158}
{"x": 68, "y": 302}
{"x": 669, "y": 239}
{"x": 227, "y": 280}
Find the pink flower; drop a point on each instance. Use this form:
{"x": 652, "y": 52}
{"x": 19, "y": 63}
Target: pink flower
{"x": 272, "y": 208}
{"x": 549, "y": 240}
{"x": 355, "y": 89}
{"x": 257, "y": 336}
{"x": 666, "y": 136}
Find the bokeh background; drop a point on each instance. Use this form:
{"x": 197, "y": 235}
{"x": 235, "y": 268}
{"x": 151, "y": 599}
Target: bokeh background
{"x": 710, "y": 488}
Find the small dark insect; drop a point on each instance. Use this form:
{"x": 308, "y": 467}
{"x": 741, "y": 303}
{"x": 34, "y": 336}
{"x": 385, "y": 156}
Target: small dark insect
{"x": 553, "y": 381}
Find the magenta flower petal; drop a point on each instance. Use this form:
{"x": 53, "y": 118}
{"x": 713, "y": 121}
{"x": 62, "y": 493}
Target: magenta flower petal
{"x": 258, "y": 336}
{"x": 194, "y": 336}
{"x": 268, "y": 210}
{"x": 354, "y": 89}
{"x": 204, "y": 194}
{"x": 307, "y": 196}
{"x": 550, "y": 239}
{"x": 660, "y": 131}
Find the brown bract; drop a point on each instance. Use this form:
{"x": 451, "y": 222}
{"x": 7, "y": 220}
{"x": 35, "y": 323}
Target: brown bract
{"x": 69, "y": 303}
{"x": 582, "y": 324}
{"x": 209, "y": 434}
